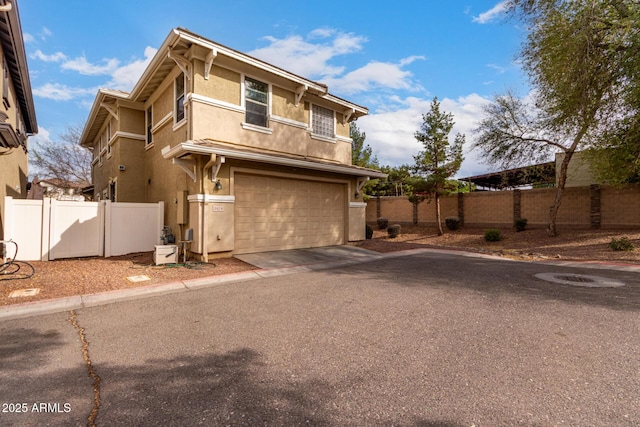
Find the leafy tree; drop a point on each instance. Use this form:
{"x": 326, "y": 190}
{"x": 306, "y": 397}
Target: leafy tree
{"x": 67, "y": 161}
{"x": 396, "y": 183}
{"x": 440, "y": 159}
{"x": 361, "y": 154}
{"x": 582, "y": 59}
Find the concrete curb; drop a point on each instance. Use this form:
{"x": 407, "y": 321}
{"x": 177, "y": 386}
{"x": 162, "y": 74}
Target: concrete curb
{"x": 35, "y": 308}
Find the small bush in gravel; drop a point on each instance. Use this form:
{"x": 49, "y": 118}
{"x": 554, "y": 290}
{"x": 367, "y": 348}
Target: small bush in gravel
{"x": 452, "y": 222}
{"x": 621, "y": 244}
{"x": 382, "y": 223}
{"x": 393, "y": 230}
{"x": 492, "y": 235}
{"x": 521, "y": 224}
{"x": 369, "y": 232}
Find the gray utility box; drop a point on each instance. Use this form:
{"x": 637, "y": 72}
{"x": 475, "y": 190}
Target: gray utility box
{"x": 165, "y": 254}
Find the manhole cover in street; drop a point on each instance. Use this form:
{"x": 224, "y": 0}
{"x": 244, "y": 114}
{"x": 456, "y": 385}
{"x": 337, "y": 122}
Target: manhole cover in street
{"x": 580, "y": 280}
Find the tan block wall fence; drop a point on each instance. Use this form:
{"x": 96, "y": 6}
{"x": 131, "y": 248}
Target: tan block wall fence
{"x": 582, "y": 207}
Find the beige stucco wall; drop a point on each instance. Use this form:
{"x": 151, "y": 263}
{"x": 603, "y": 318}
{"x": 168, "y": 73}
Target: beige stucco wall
{"x": 224, "y": 125}
{"x": 14, "y": 170}
{"x": 214, "y": 112}
{"x": 357, "y": 221}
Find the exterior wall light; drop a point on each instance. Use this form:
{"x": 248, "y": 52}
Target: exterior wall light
{"x": 218, "y": 185}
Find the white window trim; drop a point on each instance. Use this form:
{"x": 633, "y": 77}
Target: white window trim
{"x": 175, "y": 99}
{"x": 244, "y": 104}
{"x": 319, "y": 136}
{"x": 286, "y": 121}
{"x": 216, "y": 103}
{"x": 256, "y": 128}
{"x": 147, "y": 128}
{"x": 323, "y": 138}
{"x": 181, "y": 123}
{"x": 166, "y": 119}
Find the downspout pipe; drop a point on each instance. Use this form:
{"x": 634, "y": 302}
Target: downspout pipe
{"x": 203, "y": 233}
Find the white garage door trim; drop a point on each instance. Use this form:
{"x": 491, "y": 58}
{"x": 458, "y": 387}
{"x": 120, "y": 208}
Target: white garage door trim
{"x": 286, "y": 211}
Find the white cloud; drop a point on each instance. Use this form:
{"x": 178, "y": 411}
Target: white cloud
{"x": 28, "y": 38}
{"x": 56, "y": 57}
{"x": 374, "y": 75}
{"x": 311, "y": 57}
{"x": 82, "y": 66}
{"x": 492, "y": 14}
{"x": 60, "y": 92}
{"x": 301, "y": 56}
{"x": 391, "y": 133}
{"x": 125, "y": 77}
{"x": 122, "y": 77}
{"x": 45, "y": 33}
{"x": 498, "y": 68}
{"x": 41, "y": 138}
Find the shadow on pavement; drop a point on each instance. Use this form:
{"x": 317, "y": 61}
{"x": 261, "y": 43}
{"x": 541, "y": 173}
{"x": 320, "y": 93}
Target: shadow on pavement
{"x": 497, "y": 277}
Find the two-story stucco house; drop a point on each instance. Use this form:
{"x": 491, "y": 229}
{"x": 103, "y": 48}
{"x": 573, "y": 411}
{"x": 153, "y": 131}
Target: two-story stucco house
{"x": 17, "y": 110}
{"x": 250, "y": 156}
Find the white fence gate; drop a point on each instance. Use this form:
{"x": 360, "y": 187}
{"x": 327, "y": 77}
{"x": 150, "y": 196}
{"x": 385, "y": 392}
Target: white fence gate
{"x": 50, "y": 229}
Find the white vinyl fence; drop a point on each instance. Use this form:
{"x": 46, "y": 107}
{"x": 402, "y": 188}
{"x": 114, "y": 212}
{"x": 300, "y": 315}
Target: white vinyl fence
{"x": 51, "y": 229}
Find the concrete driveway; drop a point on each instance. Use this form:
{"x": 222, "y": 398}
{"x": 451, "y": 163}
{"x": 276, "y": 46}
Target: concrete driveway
{"x": 310, "y": 256}
{"x": 429, "y": 339}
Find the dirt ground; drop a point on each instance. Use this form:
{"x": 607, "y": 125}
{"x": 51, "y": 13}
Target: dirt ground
{"x": 69, "y": 277}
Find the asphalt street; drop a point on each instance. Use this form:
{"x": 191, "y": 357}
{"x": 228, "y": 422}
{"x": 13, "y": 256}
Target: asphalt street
{"x": 423, "y": 340}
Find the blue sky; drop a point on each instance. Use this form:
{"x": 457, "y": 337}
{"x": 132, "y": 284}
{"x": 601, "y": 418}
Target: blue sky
{"x": 392, "y": 58}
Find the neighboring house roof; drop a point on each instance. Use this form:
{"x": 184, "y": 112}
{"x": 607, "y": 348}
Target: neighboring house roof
{"x": 244, "y": 153}
{"x": 177, "y": 44}
{"x": 63, "y": 183}
{"x": 540, "y": 174}
{"x": 14, "y": 53}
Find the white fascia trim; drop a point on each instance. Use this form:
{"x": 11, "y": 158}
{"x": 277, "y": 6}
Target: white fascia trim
{"x": 129, "y": 135}
{"x": 358, "y": 205}
{"x": 289, "y": 122}
{"x": 253, "y": 62}
{"x": 211, "y": 198}
{"x": 344, "y": 139}
{"x": 189, "y": 148}
{"x": 349, "y": 105}
{"x": 192, "y": 97}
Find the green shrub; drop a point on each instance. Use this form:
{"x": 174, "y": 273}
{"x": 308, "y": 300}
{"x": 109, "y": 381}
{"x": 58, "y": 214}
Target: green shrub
{"x": 621, "y": 244}
{"x": 452, "y": 222}
{"x": 382, "y": 223}
{"x": 393, "y": 230}
{"x": 521, "y": 224}
{"x": 369, "y": 232}
{"x": 492, "y": 235}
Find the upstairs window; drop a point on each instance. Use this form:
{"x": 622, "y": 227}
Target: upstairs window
{"x": 5, "y": 84}
{"x": 256, "y": 95}
{"x": 179, "y": 98}
{"x": 322, "y": 121}
{"x": 149, "y": 125}
{"x": 108, "y": 138}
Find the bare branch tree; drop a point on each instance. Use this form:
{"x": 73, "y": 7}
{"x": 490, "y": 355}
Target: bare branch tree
{"x": 66, "y": 160}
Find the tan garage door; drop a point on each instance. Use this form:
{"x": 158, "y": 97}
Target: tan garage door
{"x": 273, "y": 213}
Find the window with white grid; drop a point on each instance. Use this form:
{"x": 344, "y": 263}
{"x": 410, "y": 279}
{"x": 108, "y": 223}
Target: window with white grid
{"x": 322, "y": 121}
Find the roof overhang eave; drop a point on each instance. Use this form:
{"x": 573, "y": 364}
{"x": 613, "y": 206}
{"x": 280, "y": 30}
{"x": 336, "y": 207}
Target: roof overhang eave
{"x": 189, "y": 147}
{"x": 95, "y": 108}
